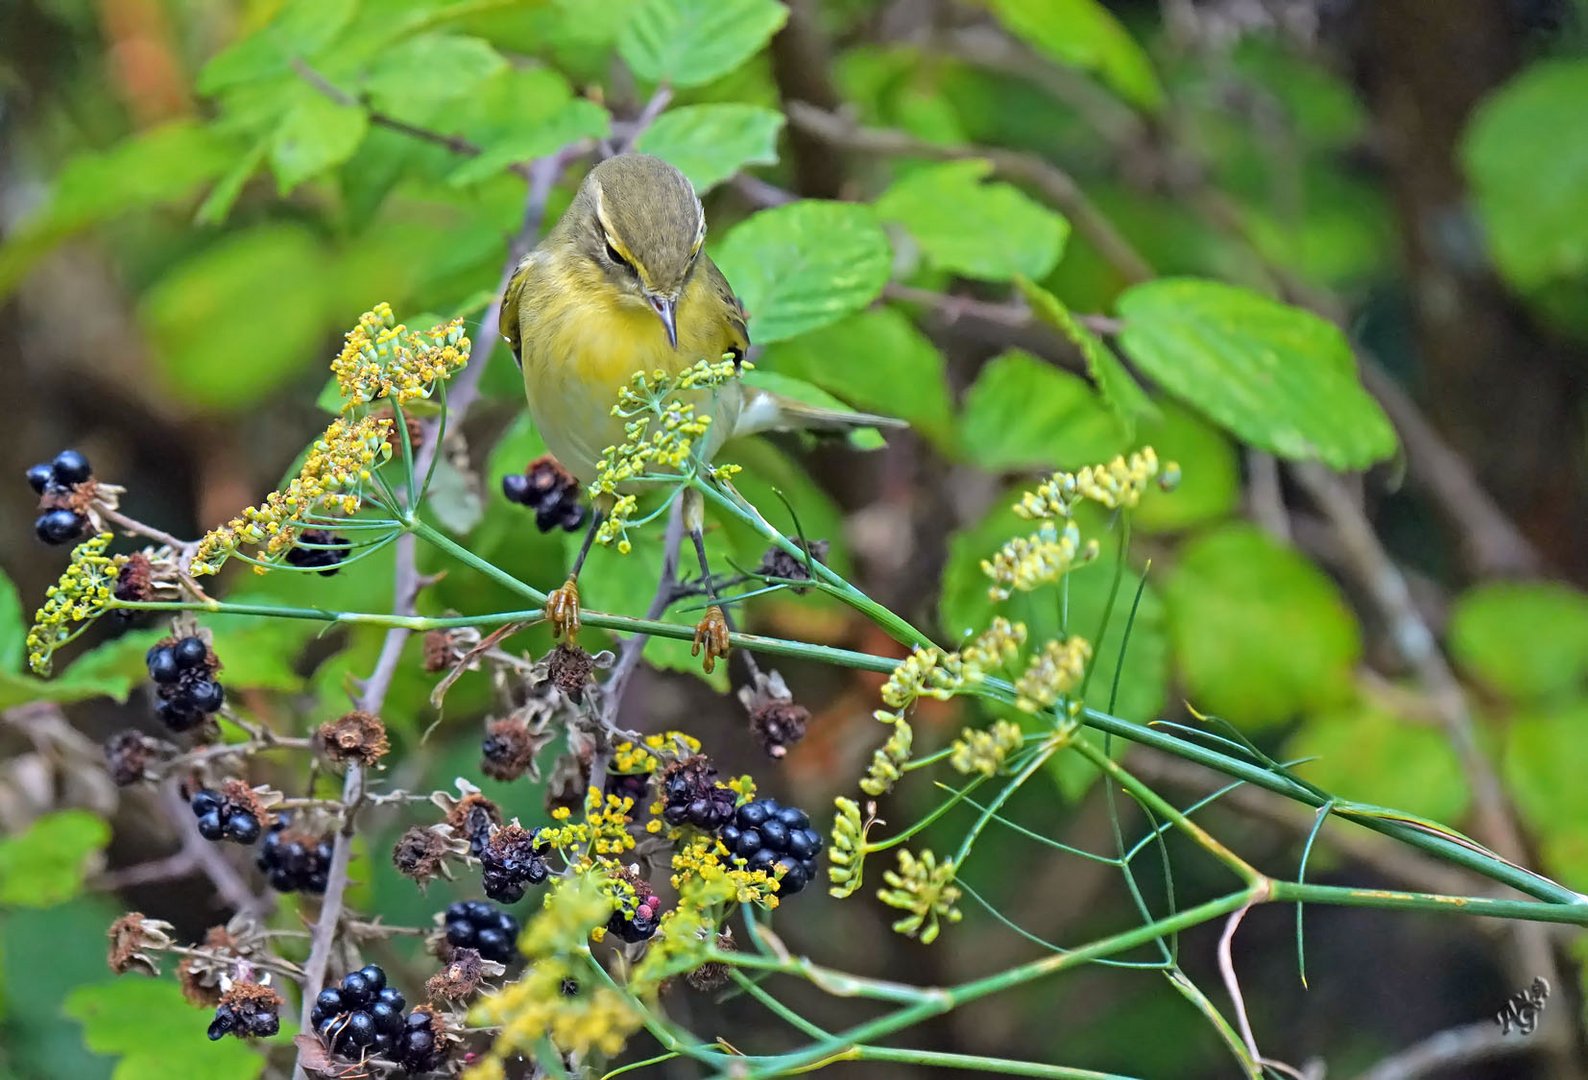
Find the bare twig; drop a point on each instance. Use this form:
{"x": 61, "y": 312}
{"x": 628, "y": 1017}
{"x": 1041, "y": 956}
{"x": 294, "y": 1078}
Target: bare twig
{"x": 1232, "y": 982}
{"x": 1437, "y": 1055}
{"x": 633, "y": 648}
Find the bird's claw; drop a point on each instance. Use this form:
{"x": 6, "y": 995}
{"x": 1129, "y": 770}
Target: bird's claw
{"x": 562, "y": 610}
{"x": 711, "y": 634}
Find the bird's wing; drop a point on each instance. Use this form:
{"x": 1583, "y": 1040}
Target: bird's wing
{"x": 738, "y": 332}
{"x": 765, "y": 411}
{"x": 507, "y": 318}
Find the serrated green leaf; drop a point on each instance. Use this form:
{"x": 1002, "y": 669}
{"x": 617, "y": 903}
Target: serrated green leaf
{"x": 45, "y": 864}
{"x": 800, "y": 267}
{"x": 1024, "y": 413}
{"x": 876, "y": 360}
{"x": 574, "y": 120}
{"x": 239, "y": 318}
{"x": 1210, "y": 477}
{"x": 416, "y": 75}
{"x": 711, "y": 143}
{"x": 1370, "y": 755}
{"x": 866, "y": 438}
{"x": 1280, "y": 378}
{"x": 299, "y": 29}
{"x": 317, "y": 134}
{"x": 1260, "y": 633}
{"x": 217, "y": 205}
{"x": 1526, "y": 153}
{"x": 1119, "y": 389}
{"x": 991, "y": 231}
{"x": 157, "y": 1033}
{"x": 692, "y": 42}
{"x": 1083, "y": 34}
{"x": 1525, "y": 639}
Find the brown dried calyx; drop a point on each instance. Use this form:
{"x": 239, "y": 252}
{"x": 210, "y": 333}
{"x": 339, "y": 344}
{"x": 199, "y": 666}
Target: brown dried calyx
{"x": 507, "y": 751}
{"x": 569, "y": 669}
{"x": 439, "y": 653}
{"x": 713, "y": 974}
{"x": 777, "y": 563}
{"x": 131, "y": 936}
{"x": 200, "y": 980}
{"x": 135, "y": 579}
{"x": 421, "y": 854}
{"x": 776, "y": 720}
{"x": 462, "y": 976}
{"x": 473, "y": 817}
{"x": 127, "y": 756}
{"x": 355, "y": 738}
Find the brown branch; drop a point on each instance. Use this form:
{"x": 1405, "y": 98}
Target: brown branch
{"x": 1052, "y": 182}
{"x": 1470, "y": 1044}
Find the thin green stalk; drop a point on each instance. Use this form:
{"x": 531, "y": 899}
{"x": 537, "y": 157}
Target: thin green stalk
{"x": 969, "y": 1062}
{"x": 1392, "y": 900}
{"x": 437, "y": 539}
{"x": 788, "y": 1015}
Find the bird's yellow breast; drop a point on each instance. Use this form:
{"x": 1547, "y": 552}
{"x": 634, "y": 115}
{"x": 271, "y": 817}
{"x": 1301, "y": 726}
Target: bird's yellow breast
{"x": 583, "y": 340}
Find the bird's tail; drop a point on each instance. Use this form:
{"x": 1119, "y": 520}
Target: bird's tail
{"x": 764, "y": 410}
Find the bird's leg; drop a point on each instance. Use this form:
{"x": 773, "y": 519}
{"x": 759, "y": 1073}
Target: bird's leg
{"x": 562, "y": 604}
{"x": 711, "y": 632}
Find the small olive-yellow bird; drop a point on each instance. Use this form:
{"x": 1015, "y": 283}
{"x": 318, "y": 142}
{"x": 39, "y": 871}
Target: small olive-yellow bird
{"x": 619, "y": 286}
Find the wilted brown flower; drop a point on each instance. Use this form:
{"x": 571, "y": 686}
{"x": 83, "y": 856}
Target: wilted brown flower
{"x": 356, "y": 737}
{"x": 130, "y": 936}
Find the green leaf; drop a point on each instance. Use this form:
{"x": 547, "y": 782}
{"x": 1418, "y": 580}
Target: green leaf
{"x": 151, "y": 168}
{"x": 38, "y": 973}
{"x": 217, "y": 205}
{"x": 1024, "y": 413}
{"x": 300, "y": 28}
{"x": 157, "y": 1033}
{"x": 711, "y": 143}
{"x": 866, "y": 438}
{"x": 1210, "y": 479}
{"x": 241, "y": 317}
{"x": 317, "y": 134}
{"x": 1082, "y": 33}
{"x": 1260, "y": 632}
{"x": 964, "y": 226}
{"x": 1370, "y": 755}
{"x": 1119, "y": 389}
{"x": 1278, "y": 377}
{"x": 802, "y": 266}
{"x": 1546, "y": 754}
{"x": 626, "y": 583}
{"x": 13, "y": 627}
{"x": 45, "y": 864}
{"x": 1526, "y": 153}
{"x": 691, "y": 42}
{"x": 877, "y": 360}
{"x": 572, "y": 121}
{"x": 1527, "y": 640}
{"x": 416, "y": 75}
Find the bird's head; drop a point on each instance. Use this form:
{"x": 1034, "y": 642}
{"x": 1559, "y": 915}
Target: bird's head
{"x": 638, "y": 219}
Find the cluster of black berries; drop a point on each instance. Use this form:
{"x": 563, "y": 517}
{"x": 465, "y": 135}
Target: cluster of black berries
{"x": 53, "y": 480}
{"x": 318, "y": 549}
{"x": 692, "y": 796}
{"x": 765, "y": 834}
{"x": 549, "y": 490}
{"x": 363, "y": 1017}
{"x": 634, "y": 786}
{"x": 247, "y": 1018}
{"x": 184, "y": 676}
{"x": 511, "y": 861}
{"x": 293, "y": 862}
{"x": 221, "y": 818}
{"x": 642, "y": 924}
{"x": 474, "y": 924}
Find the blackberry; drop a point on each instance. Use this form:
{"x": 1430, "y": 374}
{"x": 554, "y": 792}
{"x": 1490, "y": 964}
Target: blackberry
{"x": 293, "y": 861}
{"x": 692, "y": 796}
{"x": 362, "y": 1017}
{"x": 636, "y": 786}
{"x": 512, "y": 860}
{"x": 39, "y": 477}
{"x": 183, "y": 672}
{"x": 548, "y": 489}
{"x": 70, "y": 467}
{"x": 474, "y": 924}
{"x": 247, "y": 1010}
{"x": 324, "y": 553}
{"x": 641, "y": 924}
{"x": 765, "y": 834}
{"x": 421, "y": 1048}
{"x": 507, "y": 751}
{"x": 60, "y": 526}
{"x": 221, "y": 817}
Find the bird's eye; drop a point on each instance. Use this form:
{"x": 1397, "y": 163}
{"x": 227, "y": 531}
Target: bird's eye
{"x": 612, "y": 253}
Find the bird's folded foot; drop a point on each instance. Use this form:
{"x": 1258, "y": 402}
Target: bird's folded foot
{"x": 711, "y": 634}
{"x": 562, "y": 610}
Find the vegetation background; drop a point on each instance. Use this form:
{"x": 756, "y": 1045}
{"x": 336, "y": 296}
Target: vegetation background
{"x": 187, "y": 226}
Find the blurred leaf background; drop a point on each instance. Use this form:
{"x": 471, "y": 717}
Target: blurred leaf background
{"x": 198, "y": 196}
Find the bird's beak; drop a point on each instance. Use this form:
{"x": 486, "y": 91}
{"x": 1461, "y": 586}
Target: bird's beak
{"x": 667, "y": 310}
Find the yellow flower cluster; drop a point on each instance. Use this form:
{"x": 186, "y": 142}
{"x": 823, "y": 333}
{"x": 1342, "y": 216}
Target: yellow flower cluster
{"x": 603, "y": 832}
{"x": 888, "y": 762}
{"x": 985, "y": 750}
{"x": 80, "y": 596}
{"x": 1119, "y": 483}
{"x": 925, "y": 888}
{"x": 931, "y": 672}
{"x": 703, "y": 858}
{"x": 847, "y": 855}
{"x": 646, "y": 757}
{"x": 593, "y": 1017}
{"x": 331, "y": 481}
{"x": 686, "y": 935}
{"x": 1054, "y": 672}
{"x": 384, "y": 359}
{"x": 1030, "y": 562}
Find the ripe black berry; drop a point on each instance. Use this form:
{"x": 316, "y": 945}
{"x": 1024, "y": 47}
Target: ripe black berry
{"x": 634, "y": 786}
{"x": 183, "y": 672}
{"x": 39, "y": 477}
{"x": 318, "y": 549}
{"x": 205, "y": 696}
{"x": 511, "y": 861}
{"x": 190, "y": 652}
{"x": 249, "y": 1011}
{"x": 692, "y": 796}
{"x": 59, "y": 526}
{"x": 765, "y": 834}
{"x": 362, "y": 1017}
{"x": 70, "y": 467}
{"x": 421, "y": 1048}
{"x": 474, "y": 924}
{"x": 293, "y": 861}
{"x": 221, "y": 817}
{"x": 548, "y": 489}
{"x": 162, "y": 664}
{"x": 642, "y": 922}
{"x": 515, "y": 486}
